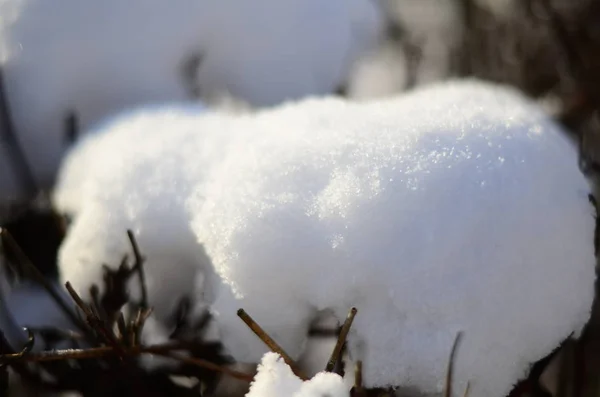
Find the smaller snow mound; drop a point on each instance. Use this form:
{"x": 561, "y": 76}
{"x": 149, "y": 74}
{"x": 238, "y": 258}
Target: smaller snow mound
{"x": 276, "y": 379}
{"x": 131, "y": 175}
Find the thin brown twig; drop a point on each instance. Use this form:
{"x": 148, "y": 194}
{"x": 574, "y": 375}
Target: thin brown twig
{"x": 166, "y": 350}
{"x": 95, "y": 322}
{"x": 467, "y": 390}
{"x": 124, "y": 334}
{"x": 335, "y": 355}
{"x": 206, "y": 364}
{"x": 450, "y": 372}
{"x": 267, "y": 340}
{"x": 34, "y": 273}
{"x": 358, "y": 390}
{"x": 139, "y": 268}
{"x": 138, "y": 322}
{"x": 358, "y": 380}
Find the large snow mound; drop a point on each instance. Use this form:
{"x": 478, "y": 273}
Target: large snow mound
{"x": 458, "y": 207}
{"x": 98, "y": 58}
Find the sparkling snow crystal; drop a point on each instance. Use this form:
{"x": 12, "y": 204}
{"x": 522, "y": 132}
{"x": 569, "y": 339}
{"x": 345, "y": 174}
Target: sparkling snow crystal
{"x": 97, "y": 58}
{"x": 458, "y": 207}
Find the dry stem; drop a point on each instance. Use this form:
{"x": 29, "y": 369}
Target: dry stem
{"x": 139, "y": 267}
{"x": 335, "y": 355}
{"x": 166, "y": 350}
{"x": 263, "y": 336}
{"x": 449, "y": 374}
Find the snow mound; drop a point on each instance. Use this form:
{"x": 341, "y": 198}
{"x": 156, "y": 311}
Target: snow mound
{"x": 99, "y": 58}
{"x": 276, "y": 379}
{"x": 133, "y": 174}
{"x": 458, "y": 207}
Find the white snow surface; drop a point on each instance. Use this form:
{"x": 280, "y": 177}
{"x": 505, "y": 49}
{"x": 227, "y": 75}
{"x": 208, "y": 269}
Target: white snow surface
{"x": 276, "y": 379}
{"x": 456, "y": 207}
{"x": 133, "y": 173}
{"x": 99, "y": 58}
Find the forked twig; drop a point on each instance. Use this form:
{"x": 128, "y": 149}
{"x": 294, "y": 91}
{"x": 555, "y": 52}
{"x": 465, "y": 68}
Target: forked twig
{"x": 335, "y": 355}
{"x": 267, "y": 340}
{"x": 95, "y": 322}
{"x": 139, "y": 268}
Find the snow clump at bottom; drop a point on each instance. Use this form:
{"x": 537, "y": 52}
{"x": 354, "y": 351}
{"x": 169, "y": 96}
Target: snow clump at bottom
{"x": 276, "y": 379}
{"x": 457, "y": 207}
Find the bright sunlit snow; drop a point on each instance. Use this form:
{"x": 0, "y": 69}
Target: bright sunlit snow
{"x": 276, "y": 379}
{"x": 458, "y": 207}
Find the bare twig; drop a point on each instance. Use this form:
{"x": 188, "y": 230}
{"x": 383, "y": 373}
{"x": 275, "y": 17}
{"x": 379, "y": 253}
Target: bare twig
{"x": 166, "y": 350}
{"x": 7, "y": 358}
{"x": 358, "y": 380}
{"x": 95, "y": 322}
{"x": 35, "y": 274}
{"x": 449, "y": 374}
{"x": 358, "y": 390}
{"x": 139, "y": 267}
{"x": 204, "y": 364}
{"x": 71, "y": 128}
{"x": 137, "y": 324}
{"x": 263, "y": 336}
{"x": 58, "y": 333}
{"x": 115, "y": 294}
{"x": 467, "y": 390}
{"x": 335, "y": 355}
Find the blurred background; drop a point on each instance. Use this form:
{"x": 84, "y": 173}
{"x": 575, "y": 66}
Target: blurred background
{"x": 256, "y": 54}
